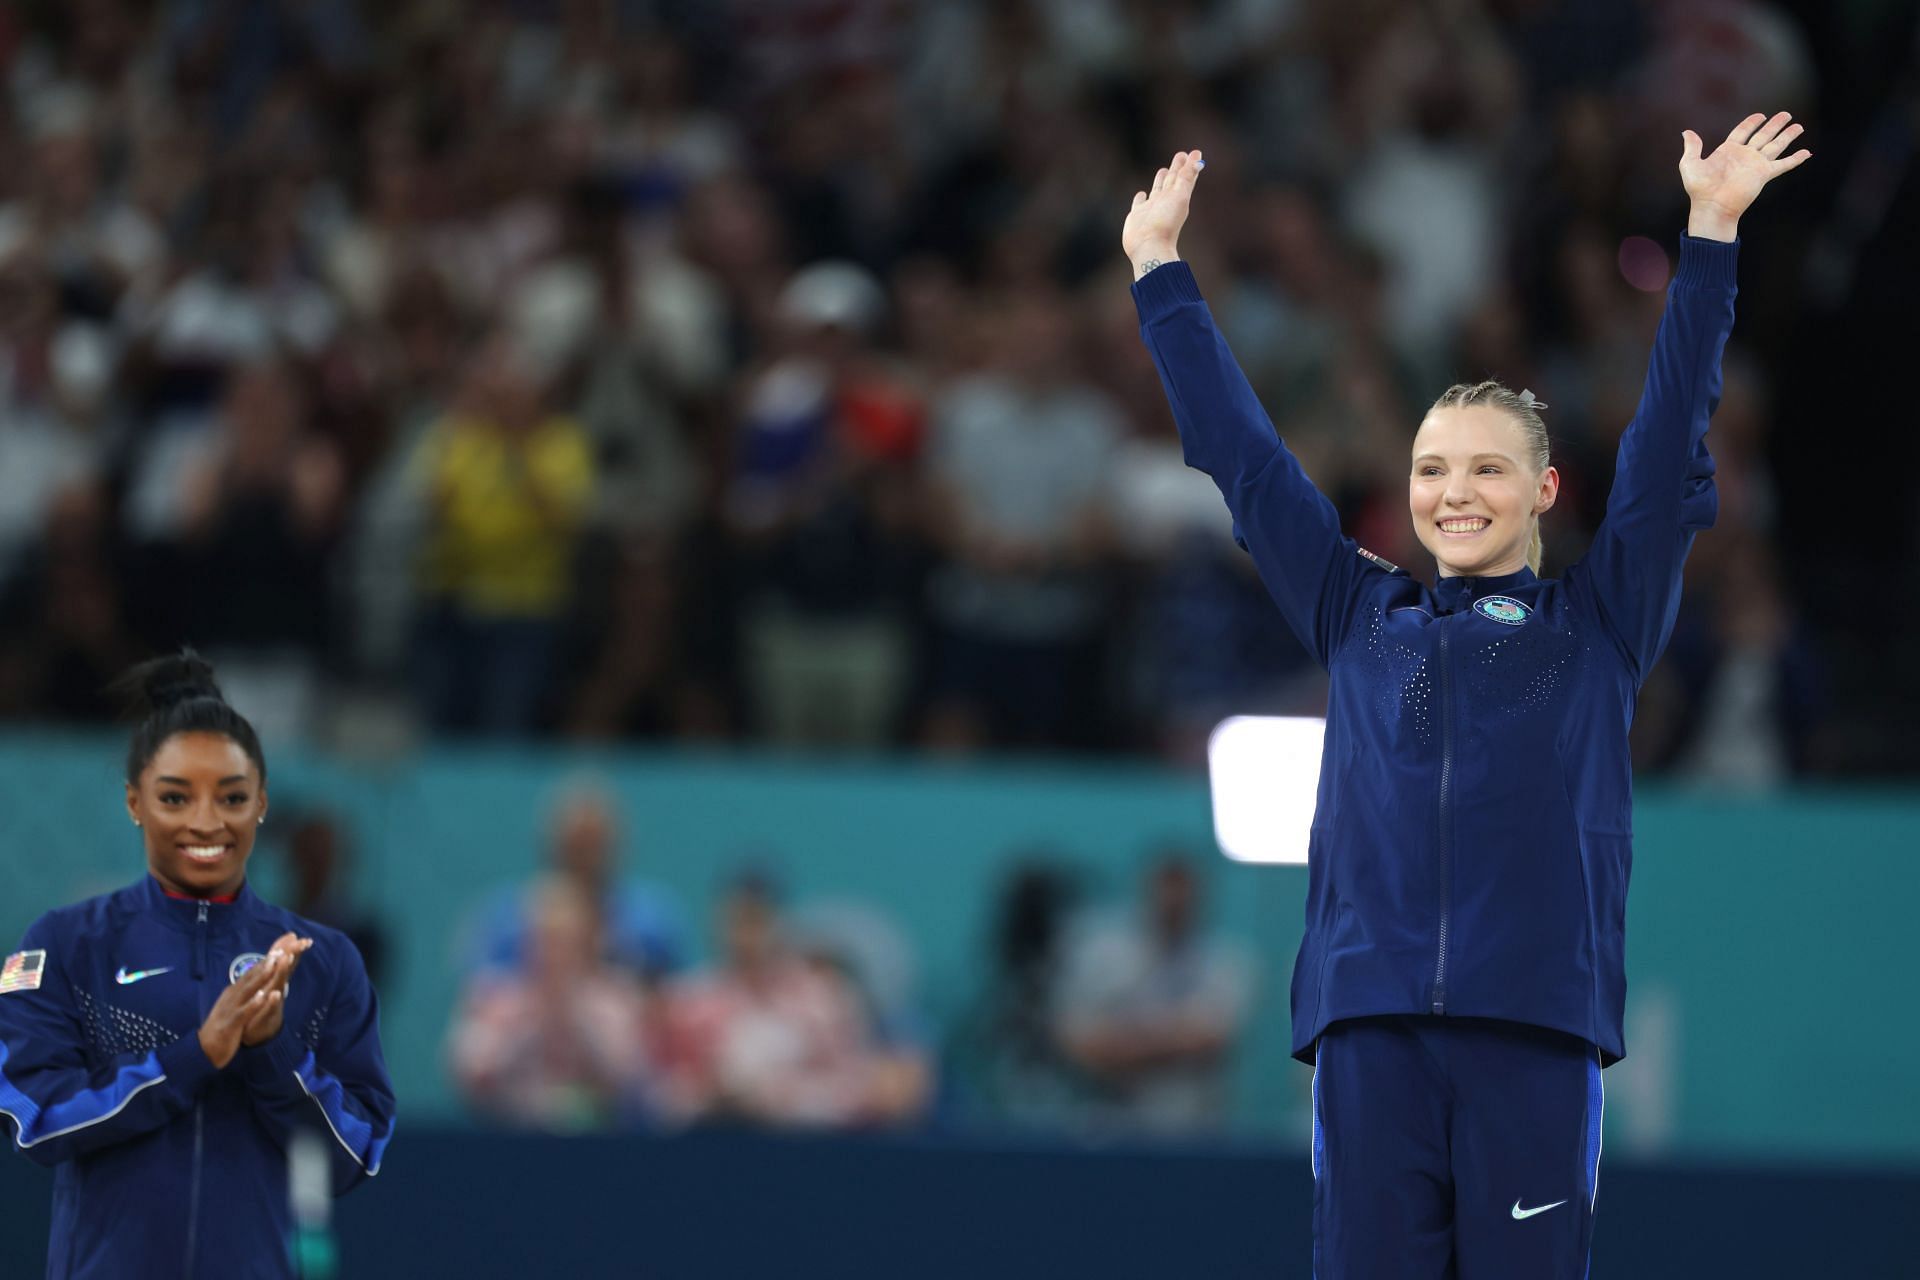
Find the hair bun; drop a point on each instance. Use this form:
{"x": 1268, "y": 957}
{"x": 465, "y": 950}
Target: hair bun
{"x": 167, "y": 681}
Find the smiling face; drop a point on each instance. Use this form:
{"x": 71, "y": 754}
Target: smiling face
{"x": 1475, "y": 492}
{"x": 199, "y": 802}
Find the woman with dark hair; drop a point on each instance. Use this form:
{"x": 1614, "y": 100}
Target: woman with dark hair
{"x": 155, "y": 1047}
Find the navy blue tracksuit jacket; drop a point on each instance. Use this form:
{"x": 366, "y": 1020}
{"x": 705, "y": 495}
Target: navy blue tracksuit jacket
{"x": 1473, "y": 834}
{"x": 165, "y": 1167}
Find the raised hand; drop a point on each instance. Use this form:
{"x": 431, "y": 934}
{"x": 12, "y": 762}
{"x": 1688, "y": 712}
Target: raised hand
{"x": 1723, "y": 184}
{"x": 265, "y": 1022}
{"x": 236, "y": 1009}
{"x": 1152, "y": 230}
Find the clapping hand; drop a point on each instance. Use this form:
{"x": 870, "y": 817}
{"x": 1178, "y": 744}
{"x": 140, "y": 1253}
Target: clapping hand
{"x": 1723, "y": 184}
{"x": 235, "y": 1012}
{"x": 281, "y": 959}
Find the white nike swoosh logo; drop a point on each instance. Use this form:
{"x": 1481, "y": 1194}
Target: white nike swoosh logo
{"x": 125, "y": 978}
{"x": 1519, "y": 1213}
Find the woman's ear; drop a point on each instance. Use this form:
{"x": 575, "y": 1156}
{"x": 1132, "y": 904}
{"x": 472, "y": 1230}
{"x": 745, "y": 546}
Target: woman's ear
{"x": 1549, "y": 491}
{"x": 133, "y": 804}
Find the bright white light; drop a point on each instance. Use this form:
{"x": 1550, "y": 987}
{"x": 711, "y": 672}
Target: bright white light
{"x": 1264, "y": 771}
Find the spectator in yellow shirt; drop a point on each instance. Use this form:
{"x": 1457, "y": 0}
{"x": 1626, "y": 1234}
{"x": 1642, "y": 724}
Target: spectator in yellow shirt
{"x": 508, "y": 483}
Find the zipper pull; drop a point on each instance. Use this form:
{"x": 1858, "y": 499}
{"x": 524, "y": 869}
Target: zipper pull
{"x": 200, "y": 945}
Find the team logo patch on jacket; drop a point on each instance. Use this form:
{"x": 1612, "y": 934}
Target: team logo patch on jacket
{"x": 23, "y": 971}
{"x": 241, "y": 964}
{"x": 1502, "y": 609}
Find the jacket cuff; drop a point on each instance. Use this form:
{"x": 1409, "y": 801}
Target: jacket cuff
{"x": 1165, "y": 287}
{"x": 1706, "y": 264}
{"x": 268, "y": 1065}
{"x": 185, "y": 1064}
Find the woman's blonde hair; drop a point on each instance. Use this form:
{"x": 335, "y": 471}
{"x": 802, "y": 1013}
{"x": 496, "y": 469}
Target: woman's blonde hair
{"x": 1525, "y": 412}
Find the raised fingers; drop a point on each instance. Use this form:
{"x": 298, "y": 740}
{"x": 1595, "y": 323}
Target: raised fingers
{"x": 240, "y": 995}
{"x": 1187, "y": 166}
{"x": 1793, "y": 161}
{"x": 1741, "y": 133}
{"x": 1771, "y": 129}
{"x": 1778, "y": 143}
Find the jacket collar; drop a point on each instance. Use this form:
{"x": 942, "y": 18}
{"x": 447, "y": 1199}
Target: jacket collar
{"x": 1458, "y": 593}
{"x": 184, "y": 913}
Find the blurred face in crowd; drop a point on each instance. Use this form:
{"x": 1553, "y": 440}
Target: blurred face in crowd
{"x": 1474, "y": 496}
{"x": 583, "y": 841}
{"x": 499, "y": 387}
{"x": 67, "y": 171}
{"x": 314, "y": 850}
{"x": 29, "y": 300}
{"x": 750, "y": 931}
{"x": 262, "y": 410}
{"x": 1035, "y": 339}
{"x": 199, "y": 803}
{"x": 1173, "y": 901}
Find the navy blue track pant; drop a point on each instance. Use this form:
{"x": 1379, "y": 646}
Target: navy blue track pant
{"x": 1464, "y": 1148}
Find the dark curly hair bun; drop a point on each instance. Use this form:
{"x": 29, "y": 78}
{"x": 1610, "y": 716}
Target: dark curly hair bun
{"x": 167, "y": 681}
{"x": 176, "y": 693}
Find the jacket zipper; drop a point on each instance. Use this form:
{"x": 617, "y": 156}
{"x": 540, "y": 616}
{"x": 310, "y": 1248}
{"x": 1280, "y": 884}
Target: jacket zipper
{"x": 193, "y": 1191}
{"x": 199, "y": 1122}
{"x": 1445, "y": 840}
{"x": 200, "y": 947}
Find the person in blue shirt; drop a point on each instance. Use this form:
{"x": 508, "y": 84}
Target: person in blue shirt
{"x": 1461, "y": 980}
{"x": 161, "y": 1046}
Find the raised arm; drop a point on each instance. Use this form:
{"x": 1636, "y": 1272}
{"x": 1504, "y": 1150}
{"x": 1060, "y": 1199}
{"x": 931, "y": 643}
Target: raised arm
{"x": 1312, "y": 571}
{"x": 1663, "y": 491}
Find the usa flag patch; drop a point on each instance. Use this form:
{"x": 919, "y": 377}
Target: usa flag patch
{"x": 23, "y": 971}
{"x": 1382, "y": 561}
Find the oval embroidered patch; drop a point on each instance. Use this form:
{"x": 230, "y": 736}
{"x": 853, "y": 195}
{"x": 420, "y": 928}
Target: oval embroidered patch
{"x": 241, "y": 964}
{"x": 1502, "y": 609}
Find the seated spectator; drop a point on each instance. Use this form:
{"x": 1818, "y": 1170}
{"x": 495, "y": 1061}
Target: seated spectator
{"x": 317, "y": 857}
{"x": 1004, "y": 1049}
{"x": 559, "y": 1044}
{"x": 639, "y": 924}
{"x": 1150, "y": 1010}
{"x": 854, "y": 944}
{"x": 766, "y": 1037}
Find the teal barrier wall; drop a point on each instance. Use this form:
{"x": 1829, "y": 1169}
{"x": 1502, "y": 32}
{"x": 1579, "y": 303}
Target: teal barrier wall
{"x": 1770, "y": 1008}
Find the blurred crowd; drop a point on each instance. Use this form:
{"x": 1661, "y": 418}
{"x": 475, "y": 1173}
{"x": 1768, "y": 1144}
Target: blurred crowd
{"x": 766, "y": 371}
{"x": 583, "y": 1008}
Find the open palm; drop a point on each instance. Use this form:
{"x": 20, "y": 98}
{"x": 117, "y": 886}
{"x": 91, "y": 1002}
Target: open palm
{"x": 1730, "y": 178}
{"x": 1153, "y": 225}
